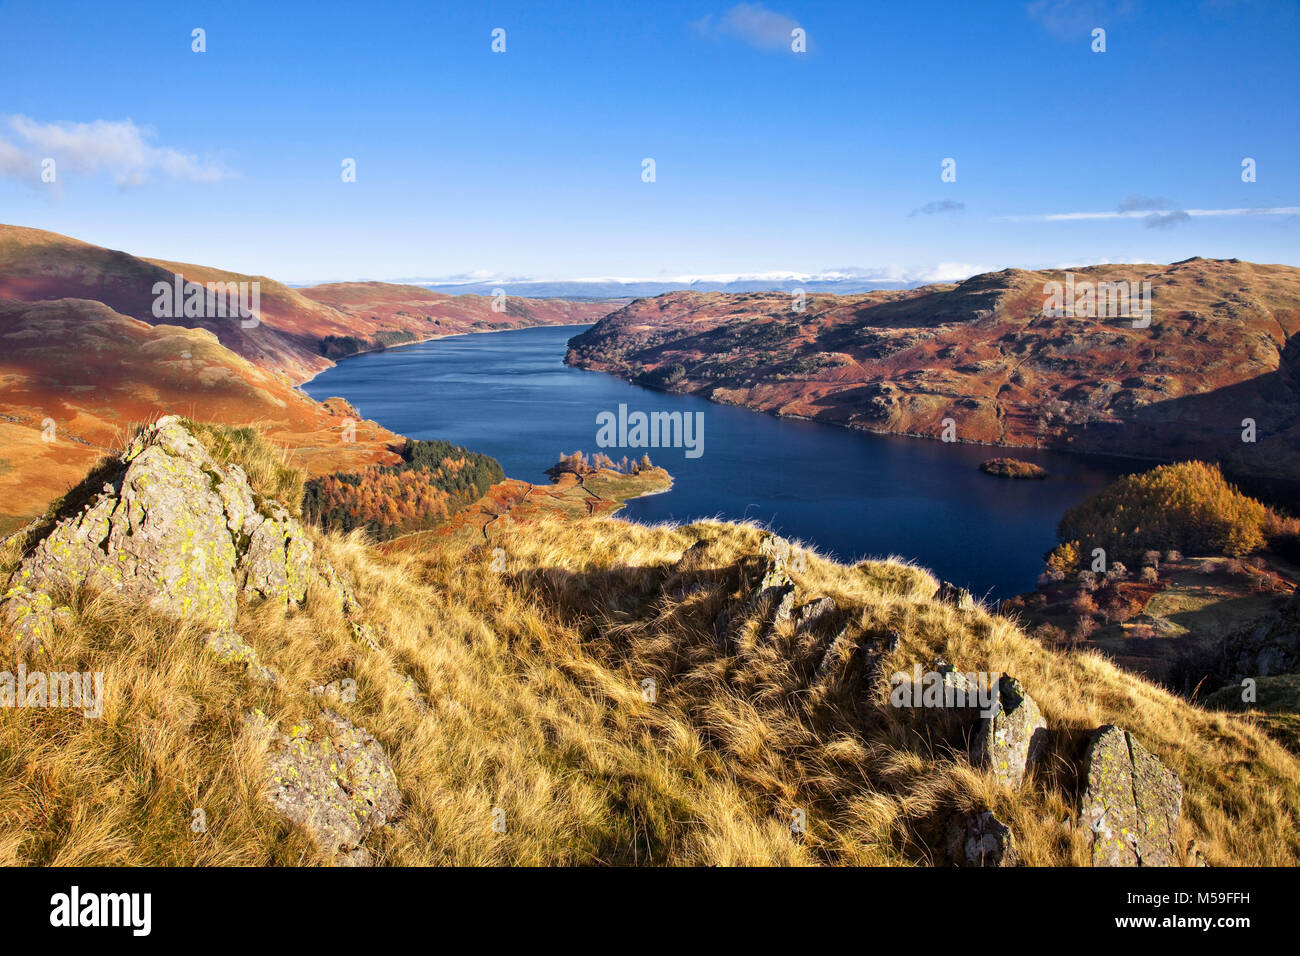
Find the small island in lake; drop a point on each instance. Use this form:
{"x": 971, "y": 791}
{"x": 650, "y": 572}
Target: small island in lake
{"x": 1012, "y": 468}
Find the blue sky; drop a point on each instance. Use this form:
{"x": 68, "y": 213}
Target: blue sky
{"x": 529, "y": 163}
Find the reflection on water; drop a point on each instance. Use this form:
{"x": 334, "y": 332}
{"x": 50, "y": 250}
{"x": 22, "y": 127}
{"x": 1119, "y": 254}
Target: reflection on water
{"x": 508, "y": 394}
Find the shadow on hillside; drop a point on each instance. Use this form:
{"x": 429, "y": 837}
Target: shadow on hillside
{"x": 718, "y": 665}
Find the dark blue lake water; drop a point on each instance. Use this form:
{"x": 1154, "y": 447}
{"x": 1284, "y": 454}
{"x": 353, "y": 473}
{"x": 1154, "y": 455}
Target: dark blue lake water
{"x": 510, "y": 395}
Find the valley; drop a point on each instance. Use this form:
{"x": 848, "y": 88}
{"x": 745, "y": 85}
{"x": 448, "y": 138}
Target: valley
{"x": 81, "y": 348}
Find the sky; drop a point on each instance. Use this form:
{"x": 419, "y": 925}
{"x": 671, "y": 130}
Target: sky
{"x": 530, "y": 162}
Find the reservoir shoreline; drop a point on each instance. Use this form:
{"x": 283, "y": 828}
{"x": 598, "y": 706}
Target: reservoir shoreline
{"x": 510, "y": 395}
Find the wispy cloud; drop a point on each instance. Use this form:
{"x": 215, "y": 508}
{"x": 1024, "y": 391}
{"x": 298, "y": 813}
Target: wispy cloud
{"x": 128, "y": 153}
{"x": 14, "y": 163}
{"x": 1164, "y": 218}
{"x": 939, "y": 206}
{"x": 1144, "y": 204}
{"x": 1072, "y": 19}
{"x": 1160, "y": 213}
{"x": 750, "y": 23}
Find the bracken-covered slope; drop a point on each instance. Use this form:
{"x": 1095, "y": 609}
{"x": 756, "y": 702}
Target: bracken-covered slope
{"x": 1220, "y": 348}
{"x": 75, "y": 376}
{"x": 82, "y": 356}
{"x": 298, "y": 331}
{"x": 389, "y": 313}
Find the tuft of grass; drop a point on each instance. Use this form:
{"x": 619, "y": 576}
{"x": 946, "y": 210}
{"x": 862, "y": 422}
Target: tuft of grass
{"x": 268, "y": 467}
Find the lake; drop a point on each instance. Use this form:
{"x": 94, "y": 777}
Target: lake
{"x": 852, "y": 495}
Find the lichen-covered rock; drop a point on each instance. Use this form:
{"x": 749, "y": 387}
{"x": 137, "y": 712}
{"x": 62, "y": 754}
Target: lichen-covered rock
{"x": 820, "y": 625}
{"x": 278, "y": 557}
{"x": 365, "y": 633}
{"x": 336, "y": 782}
{"x": 979, "y": 839}
{"x": 412, "y": 691}
{"x": 1013, "y": 737}
{"x": 171, "y": 530}
{"x": 28, "y": 615}
{"x": 344, "y": 689}
{"x": 762, "y": 604}
{"x": 959, "y": 686}
{"x": 1131, "y": 803}
{"x": 775, "y": 593}
{"x": 229, "y": 648}
{"x": 838, "y": 650}
{"x": 783, "y": 604}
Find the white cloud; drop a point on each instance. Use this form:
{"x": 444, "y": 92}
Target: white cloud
{"x": 15, "y": 164}
{"x": 947, "y": 272}
{"x": 1147, "y": 214}
{"x": 1094, "y": 261}
{"x": 938, "y": 206}
{"x": 893, "y": 274}
{"x": 751, "y": 23}
{"x": 121, "y": 149}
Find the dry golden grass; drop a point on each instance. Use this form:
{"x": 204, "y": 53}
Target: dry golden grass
{"x": 533, "y": 683}
{"x": 268, "y": 466}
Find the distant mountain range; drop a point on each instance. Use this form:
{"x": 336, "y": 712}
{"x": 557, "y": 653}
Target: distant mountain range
{"x": 611, "y": 287}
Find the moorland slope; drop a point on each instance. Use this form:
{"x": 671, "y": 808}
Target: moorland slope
{"x": 1220, "y": 348}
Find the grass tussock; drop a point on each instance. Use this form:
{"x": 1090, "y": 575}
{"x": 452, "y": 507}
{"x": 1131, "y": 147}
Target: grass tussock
{"x": 269, "y": 467}
{"x": 514, "y": 701}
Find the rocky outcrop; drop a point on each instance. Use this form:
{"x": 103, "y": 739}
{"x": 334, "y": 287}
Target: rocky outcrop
{"x": 949, "y": 593}
{"x": 812, "y": 616}
{"x": 1131, "y": 803}
{"x": 169, "y": 529}
{"x": 768, "y": 602}
{"x": 979, "y": 839}
{"x": 852, "y": 659}
{"x": 775, "y": 593}
{"x": 1011, "y": 739}
{"x": 335, "y": 781}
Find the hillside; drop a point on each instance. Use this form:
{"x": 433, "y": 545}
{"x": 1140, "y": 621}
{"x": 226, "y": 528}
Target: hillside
{"x": 386, "y": 313}
{"x": 294, "y": 324}
{"x": 1220, "y": 348}
{"x": 608, "y": 693}
{"x": 93, "y": 373}
{"x": 80, "y": 347}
